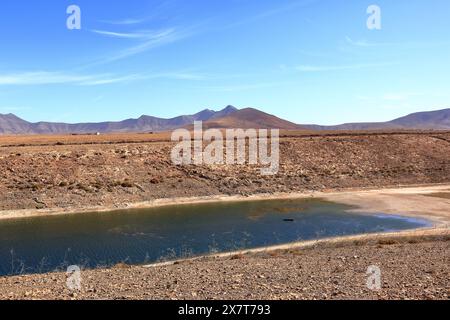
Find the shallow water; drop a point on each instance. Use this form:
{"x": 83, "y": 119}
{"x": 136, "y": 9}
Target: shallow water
{"x": 139, "y": 236}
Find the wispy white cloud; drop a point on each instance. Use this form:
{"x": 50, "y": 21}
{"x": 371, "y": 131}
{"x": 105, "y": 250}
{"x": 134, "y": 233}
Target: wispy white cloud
{"x": 103, "y": 80}
{"x": 126, "y": 35}
{"x": 41, "y": 78}
{"x": 55, "y": 78}
{"x": 266, "y": 14}
{"x": 150, "y": 41}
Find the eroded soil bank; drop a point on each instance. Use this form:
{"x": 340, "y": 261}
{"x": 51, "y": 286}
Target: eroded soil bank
{"x": 72, "y": 175}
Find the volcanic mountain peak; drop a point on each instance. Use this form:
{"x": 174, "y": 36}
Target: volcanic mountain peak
{"x": 251, "y": 118}
{"x": 204, "y": 115}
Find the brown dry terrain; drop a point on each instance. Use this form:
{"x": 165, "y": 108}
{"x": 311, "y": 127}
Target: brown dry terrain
{"x": 67, "y": 172}
{"x": 70, "y": 172}
{"x": 112, "y": 170}
{"x": 412, "y": 267}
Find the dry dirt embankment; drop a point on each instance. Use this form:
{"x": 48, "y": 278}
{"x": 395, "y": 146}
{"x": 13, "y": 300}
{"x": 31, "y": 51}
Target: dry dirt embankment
{"x": 111, "y": 171}
{"x": 414, "y": 265}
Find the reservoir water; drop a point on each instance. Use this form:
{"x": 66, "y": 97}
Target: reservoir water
{"x": 140, "y": 236}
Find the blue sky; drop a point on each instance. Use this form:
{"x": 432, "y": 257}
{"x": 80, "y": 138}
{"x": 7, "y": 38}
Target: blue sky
{"x": 309, "y": 61}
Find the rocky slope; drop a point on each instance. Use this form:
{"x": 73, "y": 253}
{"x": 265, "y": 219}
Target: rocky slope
{"x": 112, "y": 174}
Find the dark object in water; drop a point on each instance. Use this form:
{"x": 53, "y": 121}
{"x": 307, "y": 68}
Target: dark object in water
{"x": 288, "y": 220}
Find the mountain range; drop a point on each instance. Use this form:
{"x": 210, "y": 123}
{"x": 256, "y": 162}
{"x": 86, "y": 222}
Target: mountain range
{"x": 230, "y": 117}
{"x": 436, "y": 120}
{"x": 11, "y": 124}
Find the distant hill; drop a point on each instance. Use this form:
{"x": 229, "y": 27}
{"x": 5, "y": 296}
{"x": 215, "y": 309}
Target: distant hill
{"x": 251, "y": 118}
{"x": 11, "y": 124}
{"x": 436, "y": 120}
{"x": 439, "y": 119}
{"x": 230, "y": 117}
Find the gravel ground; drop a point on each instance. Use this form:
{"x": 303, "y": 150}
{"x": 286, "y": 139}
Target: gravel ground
{"x": 411, "y": 268}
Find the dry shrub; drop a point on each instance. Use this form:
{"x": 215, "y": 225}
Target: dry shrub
{"x": 387, "y": 242}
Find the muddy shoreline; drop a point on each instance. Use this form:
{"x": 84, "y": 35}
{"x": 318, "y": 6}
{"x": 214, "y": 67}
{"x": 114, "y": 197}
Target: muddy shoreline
{"x": 386, "y": 200}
